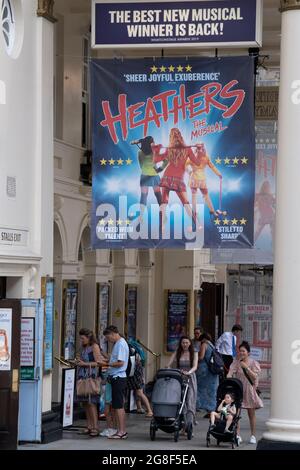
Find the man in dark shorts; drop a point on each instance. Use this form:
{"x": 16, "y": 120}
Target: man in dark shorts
{"x": 117, "y": 377}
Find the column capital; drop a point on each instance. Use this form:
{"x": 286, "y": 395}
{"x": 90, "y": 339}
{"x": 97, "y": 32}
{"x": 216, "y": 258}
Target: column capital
{"x": 45, "y": 10}
{"x": 286, "y": 5}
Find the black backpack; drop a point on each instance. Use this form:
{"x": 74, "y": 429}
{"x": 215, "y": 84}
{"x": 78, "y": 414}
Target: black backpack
{"x": 131, "y": 361}
{"x": 215, "y": 363}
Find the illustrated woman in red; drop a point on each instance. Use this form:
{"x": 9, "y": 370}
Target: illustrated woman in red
{"x": 177, "y": 155}
{"x": 198, "y": 178}
{"x": 264, "y": 209}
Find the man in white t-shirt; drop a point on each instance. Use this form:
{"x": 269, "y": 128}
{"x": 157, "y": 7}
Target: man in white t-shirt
{"x": 226, "y": 345}
{"x": 117, "y": 377}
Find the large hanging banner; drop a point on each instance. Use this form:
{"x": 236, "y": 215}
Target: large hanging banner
{"x": 173, "y": 153}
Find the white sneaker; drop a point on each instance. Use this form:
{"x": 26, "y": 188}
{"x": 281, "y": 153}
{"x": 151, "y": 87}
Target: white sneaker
{"x": 252, "y": 440}
{"x": 108, "y": 432}
{"x": 240, "y": 440}
{"x": 111, "y": 432}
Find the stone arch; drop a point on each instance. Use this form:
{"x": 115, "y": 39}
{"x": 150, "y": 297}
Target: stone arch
{"x": 59, "y": 240}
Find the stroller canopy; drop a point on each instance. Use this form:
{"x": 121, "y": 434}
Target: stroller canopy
{"x": 234, "y": 386}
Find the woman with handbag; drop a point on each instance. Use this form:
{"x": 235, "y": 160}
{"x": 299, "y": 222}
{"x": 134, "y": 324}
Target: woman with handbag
{"x": 88, "y": 379}
{"x": 247, "y": 370}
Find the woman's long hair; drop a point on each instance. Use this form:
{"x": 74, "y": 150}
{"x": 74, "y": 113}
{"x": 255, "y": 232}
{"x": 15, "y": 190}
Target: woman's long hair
{"x": 176, "y": 140}
{"x": 180, "y": 351}
{"x": 89, "y": 334}
{"x": 146, "y": 145}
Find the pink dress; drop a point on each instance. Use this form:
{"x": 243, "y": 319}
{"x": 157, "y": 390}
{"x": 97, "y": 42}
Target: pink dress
{"x": 250, "y": 397}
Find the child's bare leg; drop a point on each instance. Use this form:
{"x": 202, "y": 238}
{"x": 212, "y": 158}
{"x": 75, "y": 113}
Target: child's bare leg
{"x": 228, "y": 422}
{"x": 213, "y": 416}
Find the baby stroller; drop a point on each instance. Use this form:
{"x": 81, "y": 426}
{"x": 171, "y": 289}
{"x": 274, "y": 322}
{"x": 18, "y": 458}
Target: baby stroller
{"x": 235, "y": 387}
{"x": 169, "y": 404}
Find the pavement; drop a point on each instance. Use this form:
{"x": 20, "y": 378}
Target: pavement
{"x": 139, "y": 437}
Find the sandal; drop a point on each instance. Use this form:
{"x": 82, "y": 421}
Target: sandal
{"x": 84, "y": 432}
{"x": 149, "y": 415}
{"x": 118, "y": 436}
{"x": 94, "y": 433}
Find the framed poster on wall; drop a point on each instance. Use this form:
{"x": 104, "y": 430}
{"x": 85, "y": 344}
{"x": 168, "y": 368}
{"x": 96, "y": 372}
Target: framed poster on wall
{"x": 48, "y": 296}
{"x": 176, "y": 317}
{"x": 130, "y": 311}
{"x": 69, "y": 326}
{"x": 103, "y": 312}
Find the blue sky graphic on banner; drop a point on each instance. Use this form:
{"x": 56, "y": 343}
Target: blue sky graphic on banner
{"x": 173, "y": 153}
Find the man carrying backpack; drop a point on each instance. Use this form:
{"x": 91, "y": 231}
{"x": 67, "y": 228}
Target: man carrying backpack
{"x": 226, "y": 345}
{"x": 117, "y": 377}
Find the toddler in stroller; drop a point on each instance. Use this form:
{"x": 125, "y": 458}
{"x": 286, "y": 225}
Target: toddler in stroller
{"x": 226, "y": 410}
{"x": 170, "y": 413}
{"x": 228, "y": 413}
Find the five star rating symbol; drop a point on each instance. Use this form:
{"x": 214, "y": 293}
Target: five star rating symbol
{"x": 234, "y": 221}
{"x": 170, "y": 68}
{"x": 231, "y": 161}
{"x": 111, "y": 222}
{"x": 113, "y": 162}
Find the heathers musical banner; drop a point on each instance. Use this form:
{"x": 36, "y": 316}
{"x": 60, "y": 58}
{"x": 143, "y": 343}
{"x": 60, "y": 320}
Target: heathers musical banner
{"x": 173, "y": 153}
{"x": 173, "y": 23}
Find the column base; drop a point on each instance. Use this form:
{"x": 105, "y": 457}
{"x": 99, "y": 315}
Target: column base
{"x": 266, "y": 444}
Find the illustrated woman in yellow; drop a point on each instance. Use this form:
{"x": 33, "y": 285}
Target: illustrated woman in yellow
{"x": 198, "y": 178}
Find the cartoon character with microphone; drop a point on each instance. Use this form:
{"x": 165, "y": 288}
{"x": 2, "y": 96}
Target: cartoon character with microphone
{"x": 149, "y": 174}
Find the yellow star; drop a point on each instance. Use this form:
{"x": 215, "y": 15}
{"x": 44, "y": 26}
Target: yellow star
{"x": 103, "y": 161}
{"x": 153, "y": 69}
{"x": 180, "y": 68}
{"x": 128, "y": 162}
{"x": 188, "y": 68}
{"x": 119, "y": 222}
{"x": 244, "y": 161}
{"x": 217, "y": 221}
{"x": 225, "y": 221}
{"x": 163, "y": 68}
{"x": 226, "y": 161}
{"x": 243, "y": 221}
{"x": 127, "y": 222}
{"x": 112, "y": 161}
{"x": 110, "y": 222}
{"x": 234, "y": 221}
{"x": 102, "y": 222}
{"x": 218, "y": 161}
{"x": 235, "y": 161}
{"x": 120, "y": 162}
{"x": 171, "y": 68}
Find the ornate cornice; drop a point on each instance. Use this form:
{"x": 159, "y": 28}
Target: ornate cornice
{"x": 45, "y": 10}
{"x": 286, "y": 5}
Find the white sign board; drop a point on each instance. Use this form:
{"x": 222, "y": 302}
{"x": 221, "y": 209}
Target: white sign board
{"x": 5, "y": 338}
{"x": 69, "y": 384}
{"x": 256, "y": 354}
{"x": 13, "y": 237}
{"x": 27, "y": 342}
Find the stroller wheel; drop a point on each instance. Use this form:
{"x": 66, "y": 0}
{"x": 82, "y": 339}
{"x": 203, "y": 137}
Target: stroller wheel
{"x": 152, "y": 433}
{"x": 207, "y": 442}
{"x": 218, "y": 442}
{"x": 189, "y": 431}
{"x": 176, "y": 435}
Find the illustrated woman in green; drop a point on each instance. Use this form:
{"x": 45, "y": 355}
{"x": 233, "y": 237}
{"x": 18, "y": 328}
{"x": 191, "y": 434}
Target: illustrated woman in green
{"x": 149, "y": 175}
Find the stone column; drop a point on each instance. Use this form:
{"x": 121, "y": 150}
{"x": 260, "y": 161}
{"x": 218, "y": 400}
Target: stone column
{"x": 284, "y": 423}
